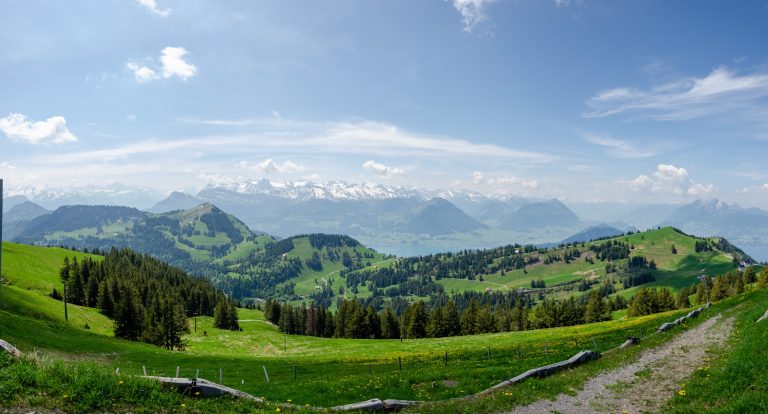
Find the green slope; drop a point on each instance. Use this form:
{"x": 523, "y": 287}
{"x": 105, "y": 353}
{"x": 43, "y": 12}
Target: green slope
{"x": 563, "y": 276}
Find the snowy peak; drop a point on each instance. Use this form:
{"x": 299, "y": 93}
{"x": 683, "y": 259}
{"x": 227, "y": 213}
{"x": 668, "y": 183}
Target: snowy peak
{"x": 113, "y": 194}
{"x": 333, "y": 190}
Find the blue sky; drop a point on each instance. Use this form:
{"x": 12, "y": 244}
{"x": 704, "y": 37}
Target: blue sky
{"x": 643, "y": 101}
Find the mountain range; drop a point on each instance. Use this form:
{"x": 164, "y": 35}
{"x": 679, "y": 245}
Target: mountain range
{"x": 406, "y": 221}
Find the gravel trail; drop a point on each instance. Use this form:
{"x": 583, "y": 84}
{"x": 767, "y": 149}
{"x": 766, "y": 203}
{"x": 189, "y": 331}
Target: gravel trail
{"x": 662, "y": 371}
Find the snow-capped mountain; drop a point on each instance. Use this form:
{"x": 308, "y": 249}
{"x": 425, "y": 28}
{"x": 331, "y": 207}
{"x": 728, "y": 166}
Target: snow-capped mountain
{"x": 332, "y": 190}
{"x": 113, "y": 194}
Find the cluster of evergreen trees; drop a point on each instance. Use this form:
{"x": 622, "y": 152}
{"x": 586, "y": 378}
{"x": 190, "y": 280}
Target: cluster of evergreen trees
{"x": 148, "y": 300}
{"x": 647, "y": 300}
{"x": 442, "y": 317}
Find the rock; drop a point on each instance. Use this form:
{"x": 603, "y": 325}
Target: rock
{"x": 10, "y": 349}
{"x": 374, "y": 404}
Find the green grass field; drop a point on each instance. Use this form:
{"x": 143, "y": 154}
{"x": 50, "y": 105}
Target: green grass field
{"x": 309, "y": 370}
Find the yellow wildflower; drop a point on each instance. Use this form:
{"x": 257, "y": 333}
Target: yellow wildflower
{"x": 681, "y": 393}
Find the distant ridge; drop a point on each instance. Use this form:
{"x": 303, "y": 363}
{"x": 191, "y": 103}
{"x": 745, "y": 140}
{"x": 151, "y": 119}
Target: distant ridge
{"x": 440, "y": 217}
{"x": 175, "y": 201}
{"x": 599, "y": 231}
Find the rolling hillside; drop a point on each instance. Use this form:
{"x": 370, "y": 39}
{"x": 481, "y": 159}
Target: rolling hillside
{"x": 197, "y": 239}
{"x": 564, "y": 270}
{"x": 298, "y": 365}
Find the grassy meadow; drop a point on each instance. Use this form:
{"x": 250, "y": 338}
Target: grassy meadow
{"x": 308, "y": 370}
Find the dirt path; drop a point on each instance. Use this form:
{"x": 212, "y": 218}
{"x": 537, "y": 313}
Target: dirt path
{"x": 661, "y": 372}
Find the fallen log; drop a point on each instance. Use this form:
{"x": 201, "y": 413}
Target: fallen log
{"x": 10, "y": 349}
{"x": 204, "y": 387}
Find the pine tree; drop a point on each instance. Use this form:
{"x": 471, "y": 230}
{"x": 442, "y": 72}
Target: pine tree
{"x": 220, "y": 319}
{"x": 596, "y": 309}
{"x": 372, "y": 320}
{"x": 665, "y": 301}
{"x": 105, "y": 301}
{"x": 92, "y": 293}
{"x": 435, "y": 323}
{"x": 128, "y": 318}
{"x": 519, "y": 317}
{"x": 451, "y": 320}
{"x": 485, "y": 321}
{"x": 468, "y": 318}
{"x": 417, "y": 326}
{"x": 390, "y": 326}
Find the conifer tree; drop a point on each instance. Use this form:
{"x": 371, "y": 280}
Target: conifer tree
{"x": 596, "y": 310}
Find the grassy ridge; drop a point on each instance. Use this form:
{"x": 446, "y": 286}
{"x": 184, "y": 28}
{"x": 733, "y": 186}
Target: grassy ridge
{"x": 673, "y": 270}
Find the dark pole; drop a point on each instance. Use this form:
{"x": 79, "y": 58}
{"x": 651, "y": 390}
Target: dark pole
{"x": 66, "y": 314}
{"x": 195, "y": 322}
{"x": 1, "y": 231}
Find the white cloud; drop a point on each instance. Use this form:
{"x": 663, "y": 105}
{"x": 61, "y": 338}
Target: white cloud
{"x": 617, "y": 147}
{"x": 472, "y": 12}
{"x": 54, "y": 129}
{"x": 151, "y": 5}
{"x": 269, "y": 166}
{"x": 753, "y": 189}
{"x": 141, "y": 73}
{"x": 503, "y": 182}
{"x": 382, "y": 170}
{"x": 719, "y": 92}
{"x": 387, "y": 139}
{"x": 669, "y": 179}
{"x": 174, "y": 64}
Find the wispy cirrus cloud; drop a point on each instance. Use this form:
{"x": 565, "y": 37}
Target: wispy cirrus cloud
{"x": 472, "y": 12}
{"x": 721, "y": 91}
{"x": 286, "y": 146}
{"x": 618, "y": 148}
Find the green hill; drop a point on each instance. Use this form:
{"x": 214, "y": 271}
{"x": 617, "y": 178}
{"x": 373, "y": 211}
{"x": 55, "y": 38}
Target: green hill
{"x": 564, "y": 270}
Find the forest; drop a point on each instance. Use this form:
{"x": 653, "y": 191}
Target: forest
{"x": 148, "y": 300}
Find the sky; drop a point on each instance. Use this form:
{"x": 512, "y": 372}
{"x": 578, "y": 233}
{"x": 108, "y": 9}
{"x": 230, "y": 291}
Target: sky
{"x": 640, "y": 102}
